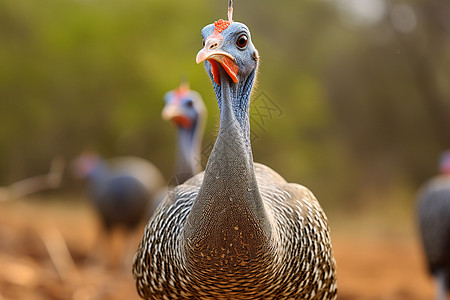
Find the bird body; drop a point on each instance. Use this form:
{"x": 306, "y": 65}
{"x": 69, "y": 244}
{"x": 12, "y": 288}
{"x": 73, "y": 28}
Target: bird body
{"x": 434, "y": 224}
{"x": 291, "y": 266}
{"x": 123, "y": 192}
{"x": 122, "y": 189}
{"x": 238, "y": 230}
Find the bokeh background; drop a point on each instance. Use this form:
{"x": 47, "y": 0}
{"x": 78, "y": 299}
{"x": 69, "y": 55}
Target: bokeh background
{"x": 359, "y": 112}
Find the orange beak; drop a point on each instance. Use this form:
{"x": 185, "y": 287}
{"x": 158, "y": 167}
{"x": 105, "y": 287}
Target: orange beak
{"x": 212, "y": 54}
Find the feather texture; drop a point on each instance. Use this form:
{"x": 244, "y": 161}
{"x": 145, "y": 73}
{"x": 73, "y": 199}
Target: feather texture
{"x": 238, "y": 230}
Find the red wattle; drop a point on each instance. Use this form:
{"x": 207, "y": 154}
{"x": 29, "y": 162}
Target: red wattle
{"x": 230, "y": 66}
{"x": 182, "y": 121}
{"x": 215, "y": 71}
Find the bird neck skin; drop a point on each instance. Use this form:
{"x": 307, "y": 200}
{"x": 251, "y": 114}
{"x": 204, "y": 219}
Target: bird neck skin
{"x": 188, "y": 151}
{"x": 228, "y": 215}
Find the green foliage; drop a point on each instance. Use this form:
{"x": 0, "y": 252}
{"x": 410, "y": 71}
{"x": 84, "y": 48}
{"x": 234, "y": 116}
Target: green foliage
{"x": 362, "y": 107}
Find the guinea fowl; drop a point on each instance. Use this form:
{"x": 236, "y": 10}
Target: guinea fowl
{"x": 238, "y": 230}
{"x": 185, "y": 108}
{"x": 434, "y": 223}
{"x": 122, "y": 191}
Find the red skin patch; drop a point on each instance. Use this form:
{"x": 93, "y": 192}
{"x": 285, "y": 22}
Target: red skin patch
{"x": 221, "y": 25}
{"x": 182, "y": 90}
{"x": 180, "y": 93}
{"x": 182, "y": 121}
{"x": 231, "y": 68}
{"x": 215, "y": 71}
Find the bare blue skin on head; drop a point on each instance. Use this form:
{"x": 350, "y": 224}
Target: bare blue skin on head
{"x": 247, "y": 61}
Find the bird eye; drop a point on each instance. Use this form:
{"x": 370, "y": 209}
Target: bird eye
{"x": 242, "y": 41}
{"x": 189, "y": 103}
{"x": 203, "y": 42}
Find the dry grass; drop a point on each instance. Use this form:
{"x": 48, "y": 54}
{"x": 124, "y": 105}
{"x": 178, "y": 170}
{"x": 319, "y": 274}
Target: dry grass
{"x": 376, "y": 262}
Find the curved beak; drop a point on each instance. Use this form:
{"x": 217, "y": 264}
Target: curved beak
{"x": 212, "y": 53}
{"x": 173, "y": 113}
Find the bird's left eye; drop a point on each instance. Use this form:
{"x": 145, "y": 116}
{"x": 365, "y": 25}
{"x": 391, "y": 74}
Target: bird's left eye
{"x": 242, "y": 41}
{"x": 189, "y": 103}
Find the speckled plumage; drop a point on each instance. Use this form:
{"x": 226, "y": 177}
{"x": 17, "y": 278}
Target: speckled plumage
{"x": 302, "y": 266}
{"x": 237, "y": 230}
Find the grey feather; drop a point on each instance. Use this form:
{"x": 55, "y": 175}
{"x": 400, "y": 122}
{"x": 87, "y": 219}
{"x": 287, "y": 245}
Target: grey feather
{"x": 434, "y": 223}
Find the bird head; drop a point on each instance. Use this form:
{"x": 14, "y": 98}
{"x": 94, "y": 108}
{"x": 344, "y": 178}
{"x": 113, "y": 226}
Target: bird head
{"x": 444, "y": 163}
{"x": 85, "y": 163}
{"x": 228, "y": 45}
{"x": 184, "y": 107}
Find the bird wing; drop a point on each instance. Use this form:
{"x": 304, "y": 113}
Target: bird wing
{"x": 274, "y": 185}
{"x": 266, "y": 174}
{"x": 303, "y": 232}
{"x": 143, "y": 170}
{"x": 195, "y": 180}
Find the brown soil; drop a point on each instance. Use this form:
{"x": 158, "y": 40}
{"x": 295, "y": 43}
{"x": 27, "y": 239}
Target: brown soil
{"x": 34, "y": 266}
{"x": 381, "y": 268}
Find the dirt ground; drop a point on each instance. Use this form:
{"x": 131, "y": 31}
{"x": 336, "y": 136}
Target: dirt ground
{"x": 35, "y": 264}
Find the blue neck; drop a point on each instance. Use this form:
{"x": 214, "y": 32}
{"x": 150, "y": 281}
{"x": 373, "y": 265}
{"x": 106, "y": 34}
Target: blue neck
{"x": 236, "y": 108}
{"x": 229, "y": 196}
{"x": 188, "y": 150}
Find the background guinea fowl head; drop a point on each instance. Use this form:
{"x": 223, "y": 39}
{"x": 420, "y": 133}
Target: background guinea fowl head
{"x": 84, "y": 164}
{"x": 183, "y": 107}
{"x": 228, "y": 44}
{"x": 444, "y": 163}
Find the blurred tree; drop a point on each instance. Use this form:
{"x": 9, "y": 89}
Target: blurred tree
{"x": 365, "y": 106}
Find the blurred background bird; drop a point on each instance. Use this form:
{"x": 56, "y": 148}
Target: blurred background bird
{"x": 185, "y": 108}
{"x": 434, "y": 223}
{"x": 123, "y": 192}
